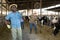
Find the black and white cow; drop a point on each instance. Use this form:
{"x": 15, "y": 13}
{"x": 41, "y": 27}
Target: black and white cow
{"x": 43, "y": 20}
{"x": 56, "y": 22}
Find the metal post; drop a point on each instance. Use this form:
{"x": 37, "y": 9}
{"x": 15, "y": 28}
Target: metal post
{"x": 6, "y": 8}
{"x": 32, "y": 7}
{"x": 58, "y": 14}
{"x": 40, "y": 7}
{"x": 1, "y": 7}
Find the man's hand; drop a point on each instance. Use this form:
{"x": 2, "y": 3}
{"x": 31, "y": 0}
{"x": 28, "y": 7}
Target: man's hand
{"x": 8, "y": 26}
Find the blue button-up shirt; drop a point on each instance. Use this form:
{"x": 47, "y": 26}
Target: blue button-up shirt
{"x": 15, "y": 18}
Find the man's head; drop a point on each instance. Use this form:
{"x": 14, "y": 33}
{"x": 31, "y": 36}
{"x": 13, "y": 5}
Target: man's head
{"x": 34, "y": 14}
{"x": 13, "y": 7}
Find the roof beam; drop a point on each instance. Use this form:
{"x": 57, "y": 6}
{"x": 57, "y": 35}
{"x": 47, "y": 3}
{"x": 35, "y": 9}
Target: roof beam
{"x": 58, "y": 5}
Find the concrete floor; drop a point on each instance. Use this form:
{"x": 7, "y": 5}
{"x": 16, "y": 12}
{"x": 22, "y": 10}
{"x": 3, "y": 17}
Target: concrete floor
{"x": 44, "y": 34}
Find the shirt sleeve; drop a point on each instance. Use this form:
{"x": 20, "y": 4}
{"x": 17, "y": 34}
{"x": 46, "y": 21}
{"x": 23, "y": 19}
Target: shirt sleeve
{"x": 7, "y": 17}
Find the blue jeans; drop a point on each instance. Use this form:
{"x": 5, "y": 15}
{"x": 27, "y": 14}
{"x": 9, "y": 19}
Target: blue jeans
{"x": 22, "y": 25}
{"x": 33, "y": 25}
{"x": 16, "y": 33}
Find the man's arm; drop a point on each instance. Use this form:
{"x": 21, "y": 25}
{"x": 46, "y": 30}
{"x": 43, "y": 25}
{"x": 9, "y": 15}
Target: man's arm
{"x": 23, "y": 12}
{"x": 7, "y": 19}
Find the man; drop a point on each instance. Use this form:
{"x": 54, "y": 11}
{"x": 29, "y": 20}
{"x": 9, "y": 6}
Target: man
{"x": 33, "y": 22}
{"x": 15, "y": 18}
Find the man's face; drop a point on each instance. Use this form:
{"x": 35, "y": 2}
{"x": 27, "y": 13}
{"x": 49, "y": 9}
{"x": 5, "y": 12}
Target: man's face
{"x": 14, "y": 8}
{"x": 34, "y": 14}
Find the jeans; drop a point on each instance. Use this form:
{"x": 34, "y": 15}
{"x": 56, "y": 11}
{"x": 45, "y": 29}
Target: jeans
{"x": 33, "y": 25}
{"x": 22, "y": 25}
{"x": 16, "y": 33}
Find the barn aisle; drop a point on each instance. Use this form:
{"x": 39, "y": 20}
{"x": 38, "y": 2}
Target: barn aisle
{"x": 46, "y": 34}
